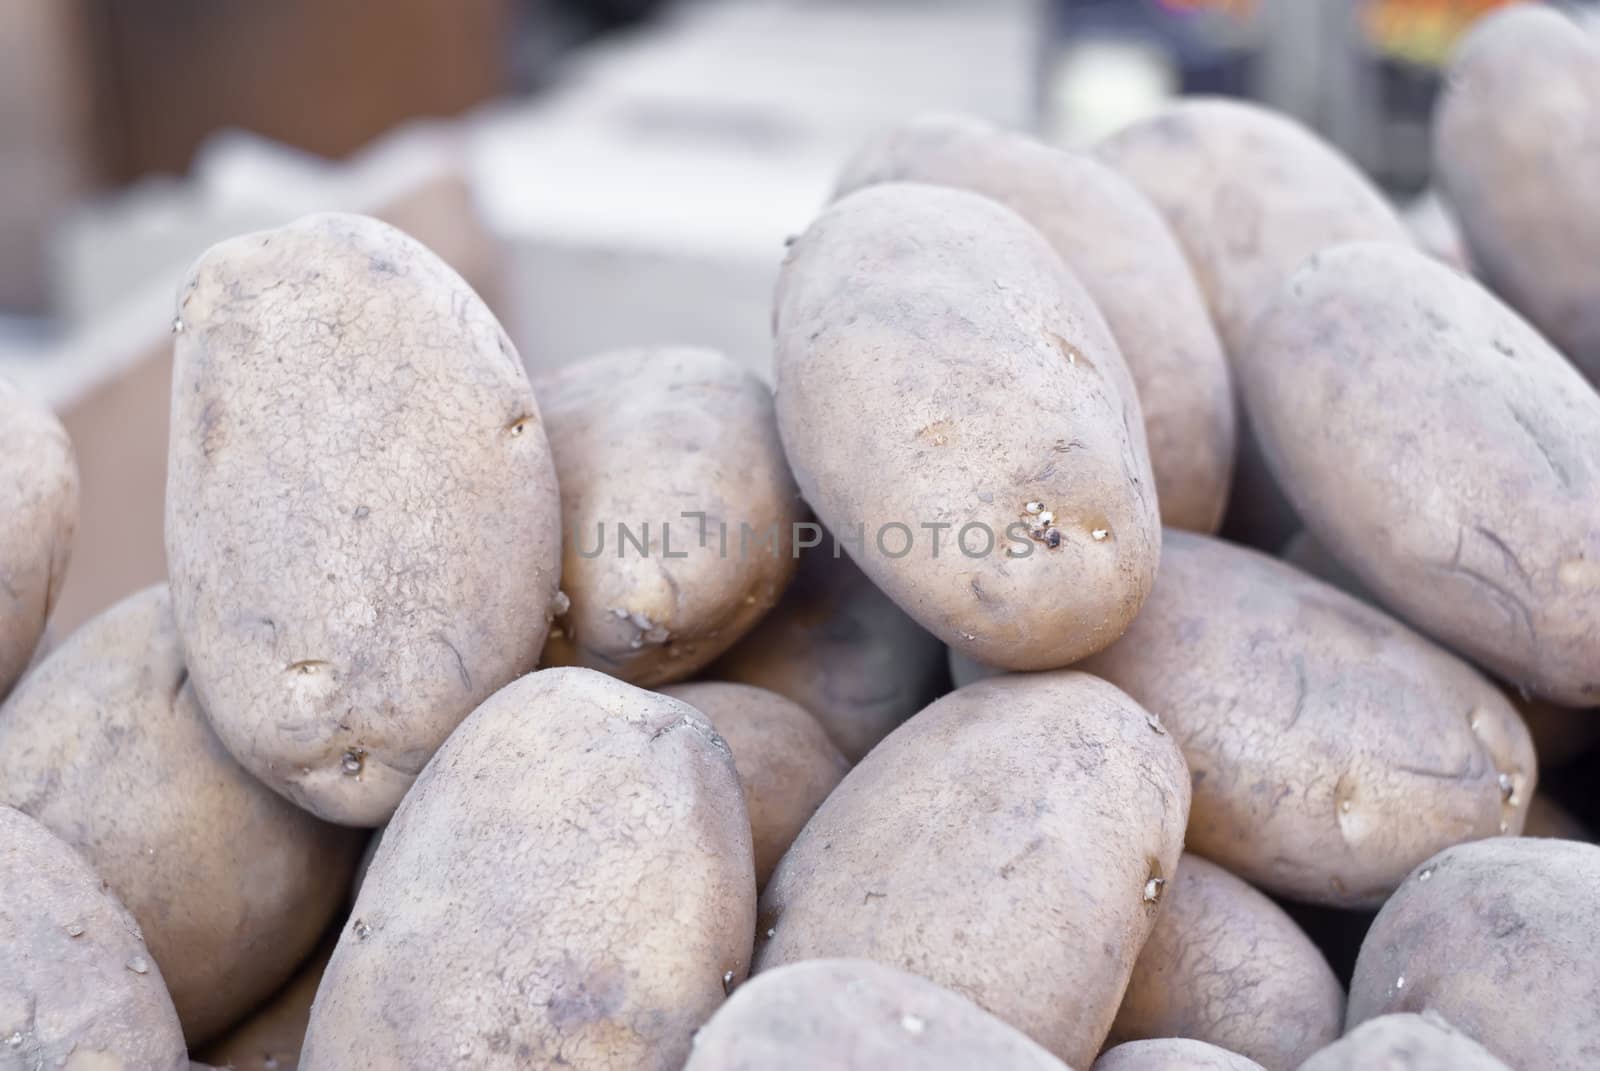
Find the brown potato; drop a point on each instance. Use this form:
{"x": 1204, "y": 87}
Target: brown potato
{"x": 107, "y": 746}
{"x": 1498, "y": 937}
{"x": 678, "y": 507}
{"x": 856, "y": 1014}
{"x": 940, "y": 370}
{"x": 1516, "y": 154}
{"x": 1172, "y": 1054}
{"x": 1497, "y": 551}
{"x": 270, "y": 1039}
{"x": 1546, "y": 818}
{"x": 78, "y": 989}
{"x": 363, "y": 527}
{"x": 38, "y": 514}
{"x": 1011, "y": 843}
{"x": 1425, "y": 1042}
{"x": 843, "y": 650}
{"x": 1225, "y": 965}
{"x": 786, "y": 763}
{"x": 1332, "y": 749}
{"x": 570, "y": 882}
{"x": 1121, "y": 249}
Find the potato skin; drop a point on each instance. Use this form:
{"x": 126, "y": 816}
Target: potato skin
{"x": 1225, "y": 965}
{"x": 1172, "y": 1054}
{"x": 1498, "y": 937}
{"x": 937, "y": 363}
{"x": 689, "y": 432}
{"x": 786, "y": 763}
{"x": 79, "y": 988}
{"x": 362, "y": 518}
{"x": 1497, "y": 552}
{"x": 1515, "y": 153}
{"x": 1332, "y": 749}
{"x": 1425, "y": 1042}
{"x": 38, "y": 515}
{"x": 857, "y": 1015}
{"x": 270, "y": 1039}
{"x": 1002, "y": 843}
{"x": 841, "y": 649}
{"x": 569, "y": 882}
{"x": 1120, "y": 248}
{"x": 106, "y": 745}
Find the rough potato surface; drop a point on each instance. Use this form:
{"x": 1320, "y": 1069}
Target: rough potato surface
{"x": 1172, "y": 1054}
{"x": 1425, "y": 1042}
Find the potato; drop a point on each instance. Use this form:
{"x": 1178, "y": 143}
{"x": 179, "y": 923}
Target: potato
{"x": 1423, "y": 1042}
{"x": 1225, "y": 965}
{"x": 1546, "y": 818}
{"x": 106, "y": 745}
{"x": 362, "y": 518}
{"x": 570, "y": 882}
{"x": 1250, "y": 193}
{"x": 856, "y": 1014}
{"x": 678, "y": 506}
{"x": 38, "y": 515}
{"x": 1172, "y": 1054}
{"x": 1489, "y": 541}
{"x": 843, "y": 650}
{"x": 1127, "y": 259}
{"x": 270, "y": 1039}
{"x": 79, "y": 990}
{"x": 1331, "y": 748}
{"x": 1498, "y": 937}
{"x": 1516, "y": 154}
{"x": 786, "y": 763}
{"x": 1011, "y": 843}
{"x": 940, "y": 371}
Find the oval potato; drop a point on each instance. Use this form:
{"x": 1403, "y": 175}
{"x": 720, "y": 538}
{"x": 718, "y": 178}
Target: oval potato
{"x": 937, "y": 364}
{"x": 1332, "y": 749}
{"x": 1496, "y": 552}
{"x": 678, "y": 507}
{"x": 570, "y": 882}
{"x": 1172, "y": 1054}
{"x": 1010, "y": 842}
{"x": 1120, "y": 248}
{"x": 363, "y": 527}
{"x": 1423, "y": 1042}
{"x": 107, "y": 746}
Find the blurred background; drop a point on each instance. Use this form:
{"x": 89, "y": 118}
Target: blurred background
{"x": 605, "y": 172}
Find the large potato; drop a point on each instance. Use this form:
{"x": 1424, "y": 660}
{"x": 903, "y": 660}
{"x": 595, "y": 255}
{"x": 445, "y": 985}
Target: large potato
{"x": 1423, "y": 1042}
{"x": 1499, "y": 938}
{"x": 1332, "y": 749}
{"x": 569, "y": 883}
{"x": 1225, "y": 965}
{"x": 1117, "y": 244}
{"x": 1516, "y": 152}
{"x": 678, "y": 505}
{"x": 107, "y": 746}
{"x": 362, "y": 518}
{"x": 38, "y": 514}
{"x": 1439, "y": 448}
{"x": 856, "y": 1015}
{"x": 843, "y": 650}
{"x": 940, "y": 373}
{"x": 78, "y": 990}
{"x": 1172, "y": 1054}
{"x": 270, "y": 1039}
{"x": 786, "y": 763}
{"x": 1011, "y": 842}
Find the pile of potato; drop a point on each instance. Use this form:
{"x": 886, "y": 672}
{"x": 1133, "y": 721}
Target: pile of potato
{"x": 741, "y": 819}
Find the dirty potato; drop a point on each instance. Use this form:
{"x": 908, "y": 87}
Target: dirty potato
{"x": 1011, "y": 843}
{"x": 107, "y": 746}
{"x": 678, "y": 507}
{"x": 363, "y": 529}
{"x": 1516, "y": 152}
{"x": 786, "y": 763}
{"x": 1225, "y": 965}
{"x": 1497, "y": 936}
{"x": 38, "y": 514}
{"x": 1120, "y": 248}
{"x": 1331, "y": 748}
{"x": 856, "y": 1014}
{"x": 1454, "y": 465}
{"x": 569, "y": 883}
{"x": 270, "y": 1039}
{"x": 79, "y": 989}
{"x": 1425, "y": 1042}
{"x": 1172, "y": 1054}
{"x": 954, "y": 406}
